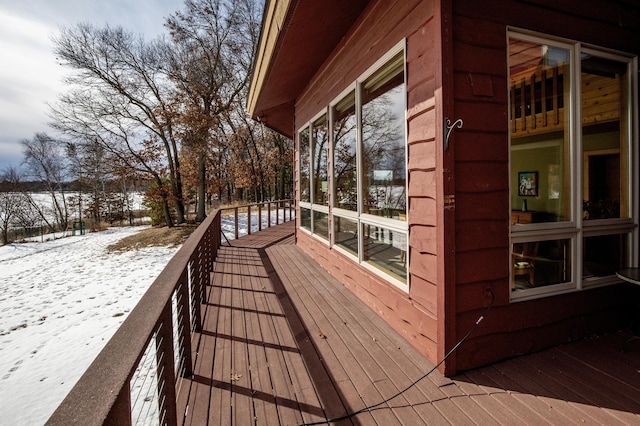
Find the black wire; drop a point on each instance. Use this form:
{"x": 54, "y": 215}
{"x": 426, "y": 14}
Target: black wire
{"x": 371, "y": 407}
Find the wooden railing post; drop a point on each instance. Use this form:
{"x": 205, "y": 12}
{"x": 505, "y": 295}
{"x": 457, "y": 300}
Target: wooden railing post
{"x": 166, "y": 370}
{"x": 216, "y": 235}
{"x": 260, "y": 217}
{"x": 120, "y": 413}
{"x": 235, "y": 213}
{"x": 184, "y": 322}
{"x": 248, "y": 219}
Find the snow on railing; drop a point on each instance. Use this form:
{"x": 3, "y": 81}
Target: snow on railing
{"x": 137, "y": 377}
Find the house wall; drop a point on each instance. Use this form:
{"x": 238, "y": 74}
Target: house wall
{"x": 382, "y": 25}
{"x": 482, "y": 179}
{"x": 459, "y": 211}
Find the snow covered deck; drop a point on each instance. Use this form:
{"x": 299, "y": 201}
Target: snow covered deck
{"x": 284, "y": 343}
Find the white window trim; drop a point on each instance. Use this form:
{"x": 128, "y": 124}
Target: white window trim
{"x": 313, "y": 207}
{"x": 357, "y": 216}
{"x": 576, "y": 229}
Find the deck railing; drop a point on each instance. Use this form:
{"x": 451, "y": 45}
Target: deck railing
{"x": 136, "y": 378}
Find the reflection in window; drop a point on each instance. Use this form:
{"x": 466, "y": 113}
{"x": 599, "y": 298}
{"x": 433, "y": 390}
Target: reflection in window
{"x": 604, "y": 255}
{"x": 314, "y": 190}
{"x": 369, "y": 173}
{"x": 345, "y": 170}
{"x": 539, "y": 88}
{"x": 386, "y": 249}
{"x": 572, "y": 132}
{"x": 346, "y": 234}
{"x": 305, "y": 218}
{"x": 305, "y": 187}
{"x": 321, "y": 224}
{"x": 383, "y": 140}
{"x": 319, "y": 155}
{"x": 604, "y": 107}
{"x": 540, "y": 263}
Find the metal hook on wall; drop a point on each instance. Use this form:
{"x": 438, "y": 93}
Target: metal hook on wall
{"x": 448, "y": 127}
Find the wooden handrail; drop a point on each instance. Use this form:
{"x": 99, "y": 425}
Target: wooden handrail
{"x": 161, "y": 323}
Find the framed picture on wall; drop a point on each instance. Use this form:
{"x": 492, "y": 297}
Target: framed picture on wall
{"x": 528, "y": 184}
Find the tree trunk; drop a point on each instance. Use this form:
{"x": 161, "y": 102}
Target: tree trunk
{"x": 201, "y": 214}
{"x": 179, "y": 204}
{"x": 167, "y": 213}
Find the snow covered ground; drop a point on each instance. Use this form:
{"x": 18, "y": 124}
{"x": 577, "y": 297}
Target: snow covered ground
{"x": 60, "y": 302}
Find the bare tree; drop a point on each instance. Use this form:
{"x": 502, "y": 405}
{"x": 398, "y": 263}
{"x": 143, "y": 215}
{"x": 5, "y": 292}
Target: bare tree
{"x": 214, "y": 43}
{"x": 89, "y": 166}
{"x": 123, "y": 100}
{"x": 45, "y": 162}
{"x": 12, "y": 201}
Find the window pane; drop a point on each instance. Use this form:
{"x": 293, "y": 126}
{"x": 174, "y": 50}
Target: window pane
{"x": 305, "y": 188}
{"x": 319, "y": 150}
{"x": 321, "y": 224}
{"x": 344, "y": 154}
{"x": 540, "y": 263}
{"x": 540, "y": 149}
{"x": 605, "y": 120}
{"x": 386, "y": 249}
{"x": 305, "y": 218}
{"x": 604, "y": 255}
{"x": 346, "y": 234}
{"x": 383, "y": 141}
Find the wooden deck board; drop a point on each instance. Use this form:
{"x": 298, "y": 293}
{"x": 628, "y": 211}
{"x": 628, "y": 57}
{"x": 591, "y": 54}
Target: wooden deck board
{"x": 308, "y": 350}
{"x": 325, "y": 338}
{"x": 607, "y": 392}
{"x": 360, "y": 346}
{"x": 525, "y": 399}
{"x": 220, "y": 410}
{"x": 260, "y": 381}
{"x": 535, "y": 372}
{"x": 382, "y": 359}
{"x": 517, "y": 409}
{"x": 553, "y": 407}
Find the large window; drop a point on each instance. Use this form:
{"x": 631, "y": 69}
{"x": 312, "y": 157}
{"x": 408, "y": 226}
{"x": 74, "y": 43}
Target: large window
{"x": 353, "y": 174}
{"x": 345, "y": 161}
{"x": 319, "y": 153}
{"x": 572, "y": 135}
{"x": 314, "y": 172}
{"x": 305, "y": 166}
{"x": 383, "y": 140}
{"x": 369, "y": 169}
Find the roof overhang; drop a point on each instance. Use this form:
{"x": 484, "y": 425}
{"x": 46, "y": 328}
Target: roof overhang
{"x": 296, "y": 39}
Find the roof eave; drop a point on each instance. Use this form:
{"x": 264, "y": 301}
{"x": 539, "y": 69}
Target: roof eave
{"x": 296, "y": 38}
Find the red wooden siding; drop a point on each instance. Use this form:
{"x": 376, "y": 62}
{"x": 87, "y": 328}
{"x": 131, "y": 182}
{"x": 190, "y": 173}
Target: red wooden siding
{"x": 383, "y": 25}
{"x": 458, "y": 211}
{"x": 482, "y": 181}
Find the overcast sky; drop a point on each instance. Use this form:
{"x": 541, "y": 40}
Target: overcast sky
{"x": 29, "y": 75}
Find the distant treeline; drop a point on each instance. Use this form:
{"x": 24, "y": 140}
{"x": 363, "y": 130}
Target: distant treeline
{"x": 72, "y": 186}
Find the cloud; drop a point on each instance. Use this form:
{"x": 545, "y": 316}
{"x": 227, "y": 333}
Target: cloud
{"x": 30, "y": 77}
{"x": 11, "y": 155}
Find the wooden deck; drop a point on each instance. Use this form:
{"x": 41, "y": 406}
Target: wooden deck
{"x": 284, "y": 343}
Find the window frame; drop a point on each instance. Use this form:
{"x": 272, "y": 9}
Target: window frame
{"x": 576, "y": 229}
{"x": 358, "y": 216}
{"x": 311, "y": 205}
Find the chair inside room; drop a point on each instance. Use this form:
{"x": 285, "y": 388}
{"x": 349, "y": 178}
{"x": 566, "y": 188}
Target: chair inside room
{"x": 523, "y": 259}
